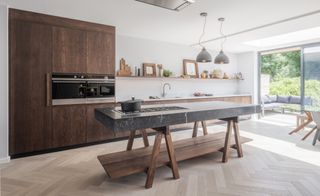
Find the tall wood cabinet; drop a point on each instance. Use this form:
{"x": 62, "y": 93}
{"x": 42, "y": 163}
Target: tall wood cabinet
{"x": 100, "y": 52}
{"x": 39, "y": 46}
{"x": 69, "y": 52}
{"x": 31, "y": 59}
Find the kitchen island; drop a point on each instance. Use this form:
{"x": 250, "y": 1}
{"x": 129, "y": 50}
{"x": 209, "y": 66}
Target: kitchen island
{"x": 159, "y": 118}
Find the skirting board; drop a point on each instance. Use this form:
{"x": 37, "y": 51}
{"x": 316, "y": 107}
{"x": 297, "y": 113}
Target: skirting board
{"x": 5, "y": 160}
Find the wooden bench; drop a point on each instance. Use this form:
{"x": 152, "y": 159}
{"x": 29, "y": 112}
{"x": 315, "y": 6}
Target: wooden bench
{"x": 125, "y": 163}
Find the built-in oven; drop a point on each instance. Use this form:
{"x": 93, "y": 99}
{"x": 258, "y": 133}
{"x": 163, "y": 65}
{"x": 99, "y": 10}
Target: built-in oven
{"x": 81, "y": 88}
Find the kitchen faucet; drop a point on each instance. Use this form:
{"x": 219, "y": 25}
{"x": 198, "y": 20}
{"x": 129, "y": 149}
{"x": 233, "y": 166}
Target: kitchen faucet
{"x": 164, "y": 89}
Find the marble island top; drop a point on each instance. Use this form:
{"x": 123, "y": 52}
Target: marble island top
{"x": 114, "y": 119}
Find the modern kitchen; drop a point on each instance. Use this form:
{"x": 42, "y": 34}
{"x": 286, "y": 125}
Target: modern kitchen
{"x": 146, "y": 97}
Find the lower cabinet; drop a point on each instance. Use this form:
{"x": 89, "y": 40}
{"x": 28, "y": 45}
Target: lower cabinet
{"x": 76, "y": 124}
{"x": 69, "y": 125}
{"x": 238, "y": 99}
{"x": 96, "y": 131}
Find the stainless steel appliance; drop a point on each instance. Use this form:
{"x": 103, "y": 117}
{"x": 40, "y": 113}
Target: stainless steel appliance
{"x": 81, "y": 88}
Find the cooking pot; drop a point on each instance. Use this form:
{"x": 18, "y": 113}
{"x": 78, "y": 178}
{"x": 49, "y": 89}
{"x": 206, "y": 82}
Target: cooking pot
{"x": 133, "y": 105}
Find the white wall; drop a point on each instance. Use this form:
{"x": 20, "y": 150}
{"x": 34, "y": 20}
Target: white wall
{"x": 248, "y": 65}
{"x": 137, "y": 51}
{"x": 143, "y": 88}
{"x": 4, "y": 112}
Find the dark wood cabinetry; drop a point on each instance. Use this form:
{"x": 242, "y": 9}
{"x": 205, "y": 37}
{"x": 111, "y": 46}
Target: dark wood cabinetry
{"x": 95, "y": 130}
{"x": 69, "y": 125}
{"x": 30, "y": 61}
{"x": 40, "y": 45}
{"x": 101, "y": 53}
{"x": 69, "y": 50}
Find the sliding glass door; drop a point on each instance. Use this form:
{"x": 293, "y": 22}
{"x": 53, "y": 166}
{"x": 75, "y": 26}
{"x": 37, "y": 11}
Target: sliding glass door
{"x": 311, "y": 79}
{"x": 292, "y": 76}
{"x": 280, "y": 80}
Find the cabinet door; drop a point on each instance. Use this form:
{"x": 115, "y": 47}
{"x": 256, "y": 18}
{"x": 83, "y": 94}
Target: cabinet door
{"x": 231, "y": 99}
{"x": 101, "y": 53}
{"x": 30, "y": 61}
{"x": 69, "y": 50}
{"x": 246, "y": 99}
{"x": 96, "y": 131}
{"x": 69, "y": 125}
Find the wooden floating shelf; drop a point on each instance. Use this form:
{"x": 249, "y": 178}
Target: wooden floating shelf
{"x": 135, "y": 161}
{"x": 178, "y": 78}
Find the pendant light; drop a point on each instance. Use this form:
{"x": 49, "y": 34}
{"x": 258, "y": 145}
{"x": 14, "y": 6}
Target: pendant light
{"x": 203, "y": 56}
{"x": 221, "y": 58}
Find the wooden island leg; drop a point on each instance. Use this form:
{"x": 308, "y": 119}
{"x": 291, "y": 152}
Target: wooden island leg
{"x": 153, "y": 160}
{"x": 145, "y": 137}
{"x": 237, "y": 137}
{"x": 171, "y": 154}
{"x": 227, "y": 143}
{"x": 133, "y": 134}
{"x": 204, "y": 127}
{"x": 130, "y": 140}
{"x": 195, "y": 128}
{"x": 155, "y": 153}
{"x": 232, "y": 124}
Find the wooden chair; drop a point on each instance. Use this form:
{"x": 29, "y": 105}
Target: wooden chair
{"x": 316, "y": 118}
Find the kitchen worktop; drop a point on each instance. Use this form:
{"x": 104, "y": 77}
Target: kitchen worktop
{"x": 112, "y": 100}
{"x": 169, "y": 98}
{"x": 191, "y": 112}
{"x": 177, "y": 97}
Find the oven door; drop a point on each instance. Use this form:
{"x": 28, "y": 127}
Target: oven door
{"x": 68, "y": 89}
{"x": 100, "y": 90}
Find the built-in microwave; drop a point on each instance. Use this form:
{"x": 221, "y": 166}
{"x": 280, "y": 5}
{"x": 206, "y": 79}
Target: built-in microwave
{"x": 96, "y": 89}
{"x": 80, "y": 86}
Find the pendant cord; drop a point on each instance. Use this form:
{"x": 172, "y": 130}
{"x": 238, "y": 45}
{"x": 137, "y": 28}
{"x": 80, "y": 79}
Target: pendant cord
{"x": 203, "y": 31}
{"x": 222, "y": 35}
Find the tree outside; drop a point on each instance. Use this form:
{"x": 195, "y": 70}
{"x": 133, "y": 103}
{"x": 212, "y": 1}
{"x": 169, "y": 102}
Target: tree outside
{"x": 284, "y": 72}
{"x": 281, "y": 65}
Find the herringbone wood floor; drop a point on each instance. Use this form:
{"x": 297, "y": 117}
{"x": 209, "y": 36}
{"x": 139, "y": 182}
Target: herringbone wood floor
{"x": 273, "y": 164}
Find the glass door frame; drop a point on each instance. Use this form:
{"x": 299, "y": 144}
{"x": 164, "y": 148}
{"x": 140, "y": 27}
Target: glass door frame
{"x": 302, "y": 69}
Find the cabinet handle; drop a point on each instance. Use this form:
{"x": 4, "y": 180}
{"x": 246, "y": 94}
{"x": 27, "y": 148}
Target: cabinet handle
{"x": 48, "y": 89}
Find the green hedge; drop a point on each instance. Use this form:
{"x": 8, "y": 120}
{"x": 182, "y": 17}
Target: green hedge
{"x": 285, "y": 86}
{"x": 291, "y": 86}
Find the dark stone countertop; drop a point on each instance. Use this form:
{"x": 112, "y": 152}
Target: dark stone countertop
{"x": 118, "y": 121}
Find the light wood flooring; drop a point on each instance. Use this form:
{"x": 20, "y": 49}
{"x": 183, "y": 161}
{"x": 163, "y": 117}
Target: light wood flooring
{"x": 274, "y": 163}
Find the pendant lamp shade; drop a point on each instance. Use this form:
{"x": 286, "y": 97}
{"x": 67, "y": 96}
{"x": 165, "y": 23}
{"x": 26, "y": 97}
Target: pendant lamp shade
{"x": 221, "y": 58}
{"x": 204, "y": 56}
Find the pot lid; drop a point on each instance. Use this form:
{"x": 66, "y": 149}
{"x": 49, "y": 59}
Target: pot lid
{"x": 133, "y": 100}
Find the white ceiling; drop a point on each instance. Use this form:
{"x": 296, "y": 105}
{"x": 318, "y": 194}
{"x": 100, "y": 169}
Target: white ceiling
{"x": 144, "y": 21}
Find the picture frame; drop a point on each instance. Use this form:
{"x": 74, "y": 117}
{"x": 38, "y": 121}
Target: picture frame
{"x": 190, "y": 68}
{"x": 149, "y": 70}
